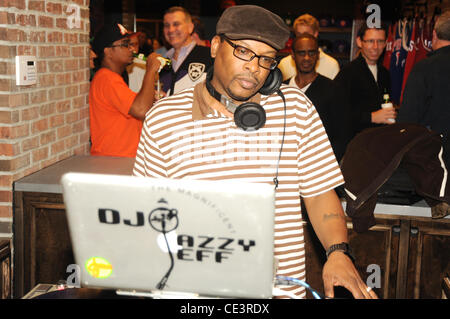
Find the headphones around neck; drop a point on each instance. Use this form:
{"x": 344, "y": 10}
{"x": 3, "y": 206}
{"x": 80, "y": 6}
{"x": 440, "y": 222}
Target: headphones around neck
{"x": 248, "y": 116}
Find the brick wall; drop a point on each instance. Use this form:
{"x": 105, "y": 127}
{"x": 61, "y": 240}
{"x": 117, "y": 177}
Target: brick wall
{"x": 47, "y": 122}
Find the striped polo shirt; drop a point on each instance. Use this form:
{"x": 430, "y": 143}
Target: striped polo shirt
{"x": 183, "y": 137}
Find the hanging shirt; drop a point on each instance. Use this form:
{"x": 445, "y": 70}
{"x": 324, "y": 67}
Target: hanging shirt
{"x": 425, "y": 35}
{"x": 411, "y": 56}
{"x": 389, "y": 44}
{"x": 398, "y": 60}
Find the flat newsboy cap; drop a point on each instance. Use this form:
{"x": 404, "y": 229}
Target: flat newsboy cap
{"x": 107, "y": 35}
{"x": 254, "y": 23}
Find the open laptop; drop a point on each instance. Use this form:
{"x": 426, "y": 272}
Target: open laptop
{"x": 164, "y": 236}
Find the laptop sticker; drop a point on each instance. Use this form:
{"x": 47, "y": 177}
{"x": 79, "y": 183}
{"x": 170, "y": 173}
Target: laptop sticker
{"x": 98, "y": 267}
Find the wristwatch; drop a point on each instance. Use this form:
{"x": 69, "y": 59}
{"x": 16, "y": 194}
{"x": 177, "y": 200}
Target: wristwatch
{"x": 344, "y": 247}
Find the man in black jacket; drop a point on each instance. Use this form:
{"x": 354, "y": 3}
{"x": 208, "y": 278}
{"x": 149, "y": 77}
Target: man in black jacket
{"x": 319, "y": 89}
{"x": 190, "y": 62}
{"x": 426, "y": 99}
{"x": 364, "y": 81}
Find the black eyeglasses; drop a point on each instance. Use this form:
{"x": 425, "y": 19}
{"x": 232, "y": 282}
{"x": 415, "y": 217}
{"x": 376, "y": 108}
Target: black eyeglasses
{"x": 123, "y": 45}
{"x": 246, "y": 54}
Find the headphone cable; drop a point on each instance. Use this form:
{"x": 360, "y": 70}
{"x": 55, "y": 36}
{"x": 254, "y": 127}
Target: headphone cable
{"x": 275, "y": 179}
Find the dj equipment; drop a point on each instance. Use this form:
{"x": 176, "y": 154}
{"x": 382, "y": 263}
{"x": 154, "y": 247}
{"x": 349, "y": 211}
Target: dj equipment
{"x": 249, "y": 116}
{"x": 141, "y": 236}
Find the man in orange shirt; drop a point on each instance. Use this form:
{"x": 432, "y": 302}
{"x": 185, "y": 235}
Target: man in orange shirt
{"x": 116, "y": 112}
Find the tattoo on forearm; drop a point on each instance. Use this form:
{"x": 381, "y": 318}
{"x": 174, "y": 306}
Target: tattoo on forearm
{"x": 328, "y": 216}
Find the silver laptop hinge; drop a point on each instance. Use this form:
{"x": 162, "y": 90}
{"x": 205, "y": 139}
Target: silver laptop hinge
{"x": 158, "y": 294}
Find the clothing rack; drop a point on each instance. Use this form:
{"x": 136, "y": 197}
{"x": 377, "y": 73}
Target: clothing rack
{"x": 420, "y": 9}
{"x": 415, "y": 9}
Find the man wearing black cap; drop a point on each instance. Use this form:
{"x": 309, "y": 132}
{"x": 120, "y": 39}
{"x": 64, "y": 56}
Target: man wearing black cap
{"x": 239, "y": 124}
{"x": 116, "y": 112}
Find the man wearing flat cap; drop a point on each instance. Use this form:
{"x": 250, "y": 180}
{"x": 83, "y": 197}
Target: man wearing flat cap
{"x": 240, "y": 124}
{"x": 116, "y": 112}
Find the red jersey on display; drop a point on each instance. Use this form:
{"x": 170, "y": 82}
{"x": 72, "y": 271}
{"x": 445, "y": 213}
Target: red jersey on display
{"x": 424, "y": 37}
{"x": 398, "y": 60}
{"x": 388, "y": 50}
{"x": 410, "y": 59}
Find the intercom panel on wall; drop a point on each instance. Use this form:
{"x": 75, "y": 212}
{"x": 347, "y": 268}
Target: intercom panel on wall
{"x": 26, "y": 71}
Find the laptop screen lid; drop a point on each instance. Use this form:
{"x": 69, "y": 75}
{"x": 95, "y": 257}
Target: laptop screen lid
{"x": 212, "y": 238}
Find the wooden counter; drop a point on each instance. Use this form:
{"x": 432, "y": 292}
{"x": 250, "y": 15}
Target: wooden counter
{"x": 47, "y": 179}
{"x": 42, "y": 248}
{"x": 5, "y": 269}
{"x": 410, "y": 249}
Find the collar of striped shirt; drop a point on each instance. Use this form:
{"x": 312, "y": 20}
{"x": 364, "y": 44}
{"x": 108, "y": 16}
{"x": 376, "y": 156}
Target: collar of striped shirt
{"x": 201, "y": 109}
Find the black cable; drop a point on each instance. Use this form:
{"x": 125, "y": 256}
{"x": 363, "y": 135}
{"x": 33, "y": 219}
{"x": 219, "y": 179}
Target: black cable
{"x": 275, "y": 179}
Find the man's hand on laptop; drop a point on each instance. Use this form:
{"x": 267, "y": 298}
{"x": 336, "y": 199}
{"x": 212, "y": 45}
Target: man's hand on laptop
{"x": 339, "y": 270}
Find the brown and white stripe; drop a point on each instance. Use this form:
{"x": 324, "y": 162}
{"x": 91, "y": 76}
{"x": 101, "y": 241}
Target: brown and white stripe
{"x": 173, "y": 145}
